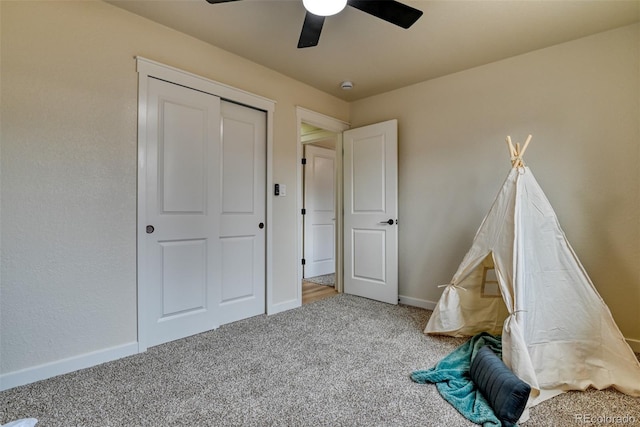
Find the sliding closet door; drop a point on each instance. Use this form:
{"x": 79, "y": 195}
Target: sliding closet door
{"x": 242, "y": 212}
{"x": 203, "y": 246}
{"x": 181, "y": 244}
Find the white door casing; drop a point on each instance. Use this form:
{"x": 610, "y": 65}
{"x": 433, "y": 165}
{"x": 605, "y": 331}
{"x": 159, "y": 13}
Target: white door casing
{"x": 371, "y": 211}
{"x": 336, "y": 126}
{"x": 182, "y": 222}
{"x": 320, "y": 215}
{"x": 242, "y": 212}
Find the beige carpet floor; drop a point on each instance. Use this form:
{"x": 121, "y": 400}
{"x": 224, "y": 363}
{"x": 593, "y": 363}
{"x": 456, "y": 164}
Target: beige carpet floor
{"x": 343, "y": 361}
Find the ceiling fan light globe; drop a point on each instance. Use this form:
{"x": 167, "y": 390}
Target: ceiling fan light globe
{"x": 324, "y": 7}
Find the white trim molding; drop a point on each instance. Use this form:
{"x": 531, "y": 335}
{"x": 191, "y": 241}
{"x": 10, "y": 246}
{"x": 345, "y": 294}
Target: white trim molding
{"x": 284, "y": 306}
{"x": 64, "y": 366}
{"x": 417, "y": 302}
{"x": 328, "y": 125}
{"x": 166, "y": 72}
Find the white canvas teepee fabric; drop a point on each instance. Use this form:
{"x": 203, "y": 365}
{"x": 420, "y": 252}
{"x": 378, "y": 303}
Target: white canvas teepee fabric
{"x": 557, "y": 332}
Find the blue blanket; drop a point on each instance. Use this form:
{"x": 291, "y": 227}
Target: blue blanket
{"x": 451, "y": 376}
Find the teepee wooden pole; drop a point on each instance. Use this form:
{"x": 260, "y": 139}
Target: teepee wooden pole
{"x": 526, "y": 143}
{"x": 510, "y": 147}
{"x": 516, "y": 153}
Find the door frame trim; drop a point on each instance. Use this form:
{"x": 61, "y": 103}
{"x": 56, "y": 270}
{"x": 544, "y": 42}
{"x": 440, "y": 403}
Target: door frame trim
{"x": 146, "y": 69}
{"x": 337, "y": 126}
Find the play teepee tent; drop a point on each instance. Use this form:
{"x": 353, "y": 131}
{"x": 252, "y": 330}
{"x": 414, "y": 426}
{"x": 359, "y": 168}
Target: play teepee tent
{"x": 522, "y": 279}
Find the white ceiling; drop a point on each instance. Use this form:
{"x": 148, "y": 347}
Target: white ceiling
{"x": 451, "y": 36}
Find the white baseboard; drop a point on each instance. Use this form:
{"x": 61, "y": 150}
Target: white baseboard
{"x": 64, "y": 366}
{"x": 634, "y": 344}
{"x": 283, "y": 306}
{"x": 416, "y": 302}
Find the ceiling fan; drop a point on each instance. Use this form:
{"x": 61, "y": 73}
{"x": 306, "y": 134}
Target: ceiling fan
{"x": 389, "y": 10}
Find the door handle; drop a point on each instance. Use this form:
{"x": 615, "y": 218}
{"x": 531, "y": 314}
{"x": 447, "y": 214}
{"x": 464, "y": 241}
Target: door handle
{"x": 261, "y": 225}
{"x": 390, "y": 222}
{"x": 150, "y": 229}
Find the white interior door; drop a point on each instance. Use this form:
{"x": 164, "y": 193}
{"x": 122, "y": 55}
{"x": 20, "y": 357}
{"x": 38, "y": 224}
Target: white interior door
{"x": 242, "y": 212}
{"x": 319, "y": 218}
{"x": 371, "y": 211}
{"x": 181, "y": 240}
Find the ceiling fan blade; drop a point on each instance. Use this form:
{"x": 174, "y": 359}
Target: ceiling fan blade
{"x": 390, "y": 10}
{"x": 311, "y": 30}
{"x": 219, "y": 1}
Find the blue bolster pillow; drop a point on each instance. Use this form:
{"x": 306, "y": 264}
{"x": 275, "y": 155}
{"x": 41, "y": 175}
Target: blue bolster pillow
{"x": 506, "y": 393}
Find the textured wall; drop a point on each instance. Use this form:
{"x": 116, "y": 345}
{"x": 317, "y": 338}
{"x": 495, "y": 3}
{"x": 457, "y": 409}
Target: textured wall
{"x": 68, "y": 170}
{"x": 68, "y": 165}
{"x": 68, "y": 189}
{"x": 580, "y": 100}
